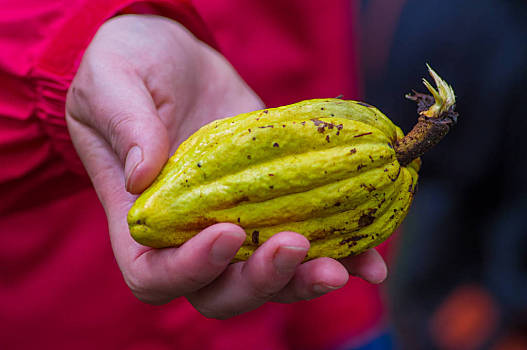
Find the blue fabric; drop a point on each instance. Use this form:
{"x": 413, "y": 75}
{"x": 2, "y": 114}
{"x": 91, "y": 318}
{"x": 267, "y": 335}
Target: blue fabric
{"x": 382, "y": 342}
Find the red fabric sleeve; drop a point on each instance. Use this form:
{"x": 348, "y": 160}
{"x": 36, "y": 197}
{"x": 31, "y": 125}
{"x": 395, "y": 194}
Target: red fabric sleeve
{"x": 56, "y": 66}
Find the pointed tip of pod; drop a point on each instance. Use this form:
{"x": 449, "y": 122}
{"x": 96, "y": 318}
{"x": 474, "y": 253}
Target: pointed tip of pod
{"x": 137, "y": 225}
{"x": 140, "y": 233}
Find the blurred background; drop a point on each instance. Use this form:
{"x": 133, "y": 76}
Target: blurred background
{"x": 459, "y": 268}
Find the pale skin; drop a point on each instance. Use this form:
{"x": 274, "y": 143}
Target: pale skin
{"x": 145, "y": 84}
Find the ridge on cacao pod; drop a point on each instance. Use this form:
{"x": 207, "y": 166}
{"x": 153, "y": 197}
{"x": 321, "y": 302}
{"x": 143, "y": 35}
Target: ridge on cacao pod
{"x": 337, "y": 171}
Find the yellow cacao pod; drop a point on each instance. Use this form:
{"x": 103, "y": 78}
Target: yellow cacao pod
{"x": 325, "y": 168}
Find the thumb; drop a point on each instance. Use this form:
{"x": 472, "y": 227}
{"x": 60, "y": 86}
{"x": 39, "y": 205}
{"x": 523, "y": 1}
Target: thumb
{"x": 125, "y": 115}
{"x": 145, "y": 143}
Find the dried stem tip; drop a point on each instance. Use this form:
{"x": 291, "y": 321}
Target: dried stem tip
{"x": 436, "y": 117}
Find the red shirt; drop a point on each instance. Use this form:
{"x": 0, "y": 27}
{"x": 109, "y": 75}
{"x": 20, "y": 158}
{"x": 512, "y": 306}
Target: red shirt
{"x": 60, "y": 285}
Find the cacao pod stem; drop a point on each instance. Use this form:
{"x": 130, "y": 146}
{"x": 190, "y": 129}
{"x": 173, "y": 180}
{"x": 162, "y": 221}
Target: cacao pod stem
{"x": 436, "y": 117}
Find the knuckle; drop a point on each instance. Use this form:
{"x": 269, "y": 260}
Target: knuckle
{"x": 144, "y": 292}
{"x": 214, "y": 313}
{"x": 305, "y": 295}
{"x": 118, "y": 127}
{"x": 195, "y": 280}
{"x": 117, "y": 123}
{"x": 70, "y": 96}
{"x": 263, "y": 292}
{"x": 136, "y": 285}
{"x": 75, "y": 98}
{"x": 195, "y": 274}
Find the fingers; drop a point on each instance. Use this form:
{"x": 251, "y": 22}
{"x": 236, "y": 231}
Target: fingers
{"x": 200, "y": 271}
{"x": 323, "y": 275}
{"x": 246, "y": 286}
{"x": 369, "y": 266}
{"x": 113, "y": 101}
{"x": 160, "y": 275}
{"x": 313, "y": 279}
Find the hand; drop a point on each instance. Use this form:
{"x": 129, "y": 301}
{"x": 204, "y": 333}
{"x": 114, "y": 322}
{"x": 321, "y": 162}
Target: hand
{"x": 144, "y": 85}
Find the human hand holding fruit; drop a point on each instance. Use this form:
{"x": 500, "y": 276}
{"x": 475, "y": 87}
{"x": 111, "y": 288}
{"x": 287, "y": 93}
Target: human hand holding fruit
{"x": 144, "y": 85}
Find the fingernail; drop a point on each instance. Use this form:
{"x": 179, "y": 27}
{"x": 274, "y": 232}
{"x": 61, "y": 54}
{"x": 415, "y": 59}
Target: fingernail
{"x": 287, "y": 258}
{"x": 133, "y": 159}
{"x": 225, "y": 247}
{"x": 321, "y": 288}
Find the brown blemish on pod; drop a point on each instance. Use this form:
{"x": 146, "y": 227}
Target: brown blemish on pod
{"x": 366, "y": 220}
{"x": 255, "y": 237}
{"x": 396, "y": 176}
{"x": 363, "y": 134}
{"x": 240, "y": 200}
{"x": 352, "y": 239}
{"x": 322, "y": 125}
{"x": 349, "y": 242}
{"x": 200, "y": 222}
{"x": 368, "y": 187}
